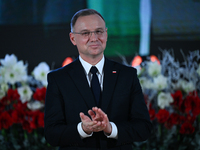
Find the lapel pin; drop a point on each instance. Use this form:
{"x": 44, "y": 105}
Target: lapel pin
{"x": 114, "y": 71}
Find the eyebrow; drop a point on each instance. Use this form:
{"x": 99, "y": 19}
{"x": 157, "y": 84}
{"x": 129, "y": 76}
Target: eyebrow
{"x": 85, "y": 30}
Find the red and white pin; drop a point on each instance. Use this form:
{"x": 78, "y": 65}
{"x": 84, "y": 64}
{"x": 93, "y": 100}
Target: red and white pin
{"x": 114, "y": 71}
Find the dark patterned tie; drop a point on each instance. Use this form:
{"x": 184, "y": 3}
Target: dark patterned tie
{"x": 96, "y": 89}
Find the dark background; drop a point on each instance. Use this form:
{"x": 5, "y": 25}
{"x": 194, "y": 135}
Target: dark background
{"x": 34, "y": 39}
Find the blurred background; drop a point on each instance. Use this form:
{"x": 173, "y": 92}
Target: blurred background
{"x": 38, "y": 30}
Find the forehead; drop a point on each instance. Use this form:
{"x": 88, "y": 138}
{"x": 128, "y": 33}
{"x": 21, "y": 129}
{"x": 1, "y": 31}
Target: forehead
{"x": 90, "y": 22}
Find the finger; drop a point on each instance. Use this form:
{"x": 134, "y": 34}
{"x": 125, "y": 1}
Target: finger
{"x": 92, "y": 114}
{"x": 95, "y": 109}
{"x": 98, "y": 116}
{"x": 82, "y": 115}
{"x": 97, "y": 128}
{"x": 85, "y": 119}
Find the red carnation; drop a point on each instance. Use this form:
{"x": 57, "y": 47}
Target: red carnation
{"x": 36, "y": 119}
{"x": 26, "y": 126}
{"x": 2, "y": 105}
{"x": 5, "y": 120}
{"x": 162, "y": 115}
{"x": 33, "y": 119}
{"x": 178, "y": 99}
{"x": 13, "y": 94}
{"x": 196, "y": 106}
{"x": 41, "y": 119}
{"x": 19, "y": 105}
{"x": 187, "y": 128}
{"x": 190, "y": 118}
{"x": 40, "y": 94}
{"x": 192, "y": 103}
{"x": 18, "y": 115}
{"x": 173, "y": 120}
{"x": 152, "y": 114}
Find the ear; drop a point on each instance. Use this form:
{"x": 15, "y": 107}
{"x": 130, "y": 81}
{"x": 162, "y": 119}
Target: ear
{"x": 72, "y": 38}
{"x": 106, "y": 35}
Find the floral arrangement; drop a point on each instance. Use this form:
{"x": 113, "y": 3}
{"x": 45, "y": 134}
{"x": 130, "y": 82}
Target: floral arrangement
{"x": 171, "y": 90}
{"x": 22, "y": 99}
{"x": 172, "y": 94}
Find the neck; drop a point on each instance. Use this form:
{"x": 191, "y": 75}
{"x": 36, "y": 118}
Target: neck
{"x": 92, "y": 60}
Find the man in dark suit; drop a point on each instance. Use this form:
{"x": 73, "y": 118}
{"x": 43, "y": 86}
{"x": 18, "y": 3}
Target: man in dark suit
{"x": 111, "y": 116}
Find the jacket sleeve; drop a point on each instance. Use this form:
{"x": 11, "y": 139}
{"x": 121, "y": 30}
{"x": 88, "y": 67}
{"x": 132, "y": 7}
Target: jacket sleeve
{"x": 57, "y": 131}
{"x": 138, "y": 125}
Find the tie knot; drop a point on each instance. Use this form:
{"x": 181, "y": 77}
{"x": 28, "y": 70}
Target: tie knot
{"x": 93, "y": 70}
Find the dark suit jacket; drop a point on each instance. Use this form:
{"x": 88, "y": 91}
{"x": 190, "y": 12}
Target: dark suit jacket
{"x": 68, "y": 94}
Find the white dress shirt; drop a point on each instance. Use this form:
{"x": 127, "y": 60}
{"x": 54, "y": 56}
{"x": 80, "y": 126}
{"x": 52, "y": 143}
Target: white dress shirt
{"x": 100, "y": 75}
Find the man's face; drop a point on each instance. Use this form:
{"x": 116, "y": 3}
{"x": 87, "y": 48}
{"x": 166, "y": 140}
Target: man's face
{"x": 94, "y": 44}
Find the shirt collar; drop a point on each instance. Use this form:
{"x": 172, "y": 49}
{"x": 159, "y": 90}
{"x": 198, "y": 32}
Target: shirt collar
{"x": 87, "y": 66}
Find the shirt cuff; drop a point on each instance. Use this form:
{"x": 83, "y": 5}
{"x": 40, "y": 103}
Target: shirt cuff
{"x": 114, "y": 133}
{"x": 81, "y": 132}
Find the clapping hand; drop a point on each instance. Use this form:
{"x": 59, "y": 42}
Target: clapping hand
{"x": 98, "y": 122}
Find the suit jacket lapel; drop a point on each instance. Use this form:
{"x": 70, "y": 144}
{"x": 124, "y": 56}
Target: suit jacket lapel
{"x": 109, "y": 82}
{"x": 80, "y": 80}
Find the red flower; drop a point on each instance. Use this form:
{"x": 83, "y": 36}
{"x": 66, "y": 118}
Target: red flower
{"x": 5, "y": 120}
{"x": 26, "y": 126}
{"x": 187, "y": 128}
{"x": 192, "y": 104}
{"x": 173, "y": 120}
{"x": 19, "y": 113}
{"x": 36, "y": 119}
{"x": 182, "y": 119}
{"x": 19, "y": 105}
{"x": 2, "y": 104}
{"x": 33, "y": 119}
{"x": 41, "y": 119}
{"x": 152, "y": 114}
{"x": 18, "y": 116}
{"x": 162, "y": 115}
{"x": 190, "y": 118}
{"x": 13, "y": 94}
{"x": 40, "y": 94}
{"x": 178, "y": 99}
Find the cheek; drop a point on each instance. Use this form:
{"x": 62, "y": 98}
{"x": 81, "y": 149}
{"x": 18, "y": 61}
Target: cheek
{"x": 103, "y": 40}
{"x": 81, "y": 42}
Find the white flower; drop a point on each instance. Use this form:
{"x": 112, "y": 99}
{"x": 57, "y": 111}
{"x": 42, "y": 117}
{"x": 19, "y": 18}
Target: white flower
{"x": 2, "y": 93}
{"x": 13, "y": 71}
{"x": 1, "y": 78}
{"x": 198, "y": 70}
{"x": 25, "y": 93}
{"x": 177, "y": 85}
{"x": 159, "y": 82}
{"x": 164, "y": 99}
{"x": 21, "y": 70}
{"x": 145, "y": 83}
{"x": 154, "y": 68}
{"x": 187, "y": 86}
{"x": 4, "y": 87}
{"x": 2, "y": 72}
{"x": 9, "y": 60}
{"x": 40, "y": 72}
{"x": 35, "y": 105}
{"x": 11, "y": 76}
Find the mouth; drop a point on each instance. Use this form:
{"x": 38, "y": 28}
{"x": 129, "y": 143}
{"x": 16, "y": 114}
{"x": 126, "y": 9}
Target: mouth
{"x": 94, "y": 46}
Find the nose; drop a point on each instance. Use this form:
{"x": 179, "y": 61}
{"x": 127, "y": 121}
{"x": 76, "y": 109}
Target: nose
{"x": 93, "y": 36}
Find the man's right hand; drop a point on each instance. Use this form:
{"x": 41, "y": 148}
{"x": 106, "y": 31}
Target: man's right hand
{"x": 98, "y": 122}
{"x": 87, "y": 123}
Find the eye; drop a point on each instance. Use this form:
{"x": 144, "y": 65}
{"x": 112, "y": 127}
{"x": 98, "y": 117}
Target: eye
{"x": 99, "y": 32}
{"x": 85, "y": 33}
